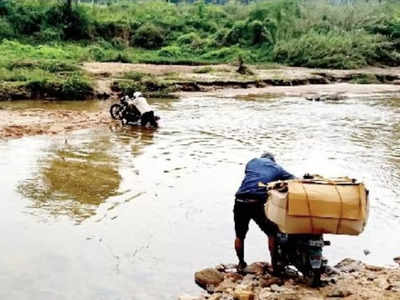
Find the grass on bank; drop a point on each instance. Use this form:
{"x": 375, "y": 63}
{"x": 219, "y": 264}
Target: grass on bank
{"x": 42, "y": 42}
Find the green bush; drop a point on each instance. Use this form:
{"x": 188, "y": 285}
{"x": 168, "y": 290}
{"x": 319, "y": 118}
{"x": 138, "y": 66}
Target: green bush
{"x": 74, "y": 22}
{"x": 76, "y": 87}
{"x": 170, "y": 51}
{"x": 50, "y": 34}
{"x": 6, "y": 29}
{"x": 338, "y": 50}
{"x": 148, "y": 36}
{"x": 97, "y": 53}
{"x": 296, "y": 32}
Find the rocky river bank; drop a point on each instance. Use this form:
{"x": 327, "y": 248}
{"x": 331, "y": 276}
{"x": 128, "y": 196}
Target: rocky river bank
{"x": 349, "y": 279}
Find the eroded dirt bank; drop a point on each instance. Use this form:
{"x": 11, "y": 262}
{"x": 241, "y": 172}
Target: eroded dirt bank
{"x": 350, "y": 279}
{"x": 271, "y": 79}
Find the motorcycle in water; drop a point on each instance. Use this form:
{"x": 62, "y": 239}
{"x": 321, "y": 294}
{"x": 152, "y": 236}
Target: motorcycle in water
{"x": 128, "y": 114}
{"x": 303, "y": 251}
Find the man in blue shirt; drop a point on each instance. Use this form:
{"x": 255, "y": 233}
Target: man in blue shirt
{"x": 250, "y": 200}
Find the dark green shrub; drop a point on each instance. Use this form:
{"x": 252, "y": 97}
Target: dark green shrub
{"x": 259, "y": 32}
{"x": 6, "y": 29}
{"x": 25, "y": 19}
{"x": 73, "y": 21}
{"x": 149, "y": 36}
{"x": 50, "y": 34}
{"x": 238, "y": 34}
{"x": 187, "y": 39}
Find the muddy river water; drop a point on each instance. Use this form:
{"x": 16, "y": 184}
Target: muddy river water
{"x": 124, "y": 213}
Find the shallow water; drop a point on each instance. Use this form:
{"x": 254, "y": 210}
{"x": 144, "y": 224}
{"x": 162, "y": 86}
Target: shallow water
{"x": 132, "y": 214}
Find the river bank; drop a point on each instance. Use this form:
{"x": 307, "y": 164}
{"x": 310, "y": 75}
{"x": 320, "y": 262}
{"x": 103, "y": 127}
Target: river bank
{"x": 105, "y": 80}
{"x": 349, "y": 279}
{"x": 174, "y": 79}
{"x": 112, "y": 79}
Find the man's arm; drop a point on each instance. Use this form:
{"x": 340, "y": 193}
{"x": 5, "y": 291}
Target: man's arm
{"x": 286, "y": 175}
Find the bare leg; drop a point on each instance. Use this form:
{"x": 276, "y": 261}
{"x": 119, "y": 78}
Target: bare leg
{"x": 239, "y": 247}
{"x": 271, "y": 244}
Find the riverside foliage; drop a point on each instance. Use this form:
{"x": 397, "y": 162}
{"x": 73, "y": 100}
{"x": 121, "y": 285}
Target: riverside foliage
{"x": 310, "y": 33}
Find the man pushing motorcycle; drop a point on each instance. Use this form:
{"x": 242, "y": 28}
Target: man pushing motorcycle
{"x": 250, "y": 200}
{"x": 147, "y": 118}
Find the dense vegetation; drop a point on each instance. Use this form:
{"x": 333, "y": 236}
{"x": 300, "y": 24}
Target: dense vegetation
{"x": 51, "y": 37}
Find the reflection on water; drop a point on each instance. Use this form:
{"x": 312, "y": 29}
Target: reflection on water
{"x": 72, "y": 181}
{"x": 157, "y": 205}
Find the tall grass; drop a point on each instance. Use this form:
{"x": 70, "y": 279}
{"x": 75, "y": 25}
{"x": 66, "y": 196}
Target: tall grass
{"x": 313, "y": 33}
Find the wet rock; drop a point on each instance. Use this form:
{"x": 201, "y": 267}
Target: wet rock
{"x": 235, "y": 277}
{"x": 330, "y": 271}
{"x": 220, "y": 267}
{"x": 208, "y": 278}
{"x": 371, "y": 277}
{"x": 349, "y": 265}
{"x": 255, "y": 268}
{"x": 339, "y": 292}
{"x": 381, "y": 283}
{"x": 226, "y": 268}
{"x": 267, "y": 282}
{"x": 225, "y": 285}
{"x": 215, "y": 297}
{"x": 243, "y": 295}
{"x": 373, "y": 268}
{"x": 277, "y": 289}
{"x": 394, "y": 288}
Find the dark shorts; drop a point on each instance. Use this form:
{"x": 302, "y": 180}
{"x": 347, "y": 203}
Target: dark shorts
{"x": 148, "y": 117}
{"x": 244, "y": 212}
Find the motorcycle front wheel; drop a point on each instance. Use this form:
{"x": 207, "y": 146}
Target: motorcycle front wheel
{"x": 115, "y": 111}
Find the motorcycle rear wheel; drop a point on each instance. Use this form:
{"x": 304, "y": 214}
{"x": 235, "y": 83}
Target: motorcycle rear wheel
{"x": 115, "y": 111}
{"x": 313, "y": 277}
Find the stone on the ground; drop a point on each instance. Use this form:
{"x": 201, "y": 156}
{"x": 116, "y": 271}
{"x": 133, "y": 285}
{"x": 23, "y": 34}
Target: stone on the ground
{"x": 256, "y": 268}
{"x": 234, "y": 276}
{"x": 349, "y": 265}
{"x": 373, "y": 268}
{"x": 397, "y": 260}
{"x": 267, "y": 282}
{"x": 339, "y": 292}
{"x": 243, "y": 295}
{"x": 208, "y": 278}
{"x": 226, "y": 286}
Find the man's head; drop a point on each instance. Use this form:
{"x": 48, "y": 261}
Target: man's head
{"x": 137, "y": 94}
{"x": 268, "y": 155}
